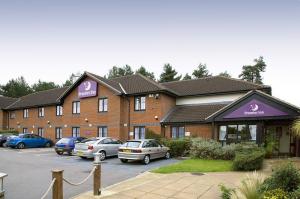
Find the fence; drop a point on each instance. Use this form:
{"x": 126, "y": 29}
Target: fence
{"x": 2, "y": 192}
{"x": 58, "y": 179}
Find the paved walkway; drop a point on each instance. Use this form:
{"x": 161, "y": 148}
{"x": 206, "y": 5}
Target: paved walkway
{"x": 174, "y": 186}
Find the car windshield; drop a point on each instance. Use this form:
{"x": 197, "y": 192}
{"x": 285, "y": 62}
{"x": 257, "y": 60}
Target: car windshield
{"x": 132, "y": 144}
{"x": 90, "y": 141}
{"x": 63, "y": 141}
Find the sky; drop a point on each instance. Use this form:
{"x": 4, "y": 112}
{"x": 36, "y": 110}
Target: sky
{"x": 49, "y": 40}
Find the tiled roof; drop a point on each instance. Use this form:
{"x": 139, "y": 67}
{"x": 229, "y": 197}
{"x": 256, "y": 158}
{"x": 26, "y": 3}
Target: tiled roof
{"x": 6, "y": 101}
{"x": 134, "y": 84}
{"x": 211, "y": 85}
{"x": 191, "y": 113}
{"x": 41, "y": 98}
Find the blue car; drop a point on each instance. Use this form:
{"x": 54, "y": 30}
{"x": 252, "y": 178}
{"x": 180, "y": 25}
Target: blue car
{"x": 28, "y": 141}
{"x": 67, "y": 145}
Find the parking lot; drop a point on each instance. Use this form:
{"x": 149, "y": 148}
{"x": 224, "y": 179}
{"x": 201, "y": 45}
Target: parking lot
{"x": 29, "y": 171}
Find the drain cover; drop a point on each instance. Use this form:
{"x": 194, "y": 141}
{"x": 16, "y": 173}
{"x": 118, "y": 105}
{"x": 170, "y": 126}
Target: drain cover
{"x": 197, "y": 174}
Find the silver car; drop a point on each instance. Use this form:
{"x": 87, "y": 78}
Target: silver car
{"x": 144, "y": 150}
{"x": 106, "y": 146}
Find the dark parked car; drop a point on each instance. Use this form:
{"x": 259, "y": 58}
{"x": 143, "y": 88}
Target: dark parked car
{"x": 4, "y": 138}
{"x": 67, "y": 145}
{"x": 28, "y": 141}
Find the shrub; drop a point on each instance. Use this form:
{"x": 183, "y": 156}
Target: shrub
{"x": 285, "y": 177}
{"x": 205, "y": 148}
{"x": 250, "y": 186}
{"x": 248, "y": 159}
{"x": 226, "y": 192}
{"x": 178, "y": 147}
{"x": 152, "y": 135}
{"x": 13, "y": 132}
{"x": 276, "y": 194}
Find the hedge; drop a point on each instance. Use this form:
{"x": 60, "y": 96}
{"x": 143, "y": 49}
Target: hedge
{"x": 13, "y": 132}
{"x": 248, "y": 160}
{"x": 178, "y": 147}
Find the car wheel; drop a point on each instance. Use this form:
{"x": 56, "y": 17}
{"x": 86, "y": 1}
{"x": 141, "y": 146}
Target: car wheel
{"x": 21, "y": 145}
{"x": 146, "y": 159}
{"x": 102, "y": 155}
{"x": 168, "y": 155}
{"x": 83, "y": 157}
{"x": 59, "y": 152}
{"x": 48, "y": 144}
{"x": 124, "y": 160}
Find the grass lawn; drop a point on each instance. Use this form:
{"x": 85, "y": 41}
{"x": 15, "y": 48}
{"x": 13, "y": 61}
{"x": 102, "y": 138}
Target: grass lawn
{"x": 196, "y": 165}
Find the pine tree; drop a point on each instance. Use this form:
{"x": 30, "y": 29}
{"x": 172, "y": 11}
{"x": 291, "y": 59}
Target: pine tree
{"x": 169, "y": 74}
{"x": 201, "y": 71}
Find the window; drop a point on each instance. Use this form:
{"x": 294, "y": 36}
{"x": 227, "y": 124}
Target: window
{"x": 41, "y": 112}
{"x": 102, "y": 131}
{"x": 76, "y": 108}
{"x": 106, "y": 141}
{"x": 140, "y": 103}
{"x": 237, "y": 133}
{"x": 58, "y": 133}
{"x": 75, "y": 132}
{"x": 41, "y": 132}
{"x": 59, "y": 110}
{"x": 103, "y": 105}
{"x": 26, "y": 113}
{"x": 177, "y": 132}
{"x": 139, "y": 132}
{"x": 25, "y": 130}
{"x": 12, "y": 115}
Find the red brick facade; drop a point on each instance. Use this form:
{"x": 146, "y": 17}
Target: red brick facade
{"x": 120, "y": 119}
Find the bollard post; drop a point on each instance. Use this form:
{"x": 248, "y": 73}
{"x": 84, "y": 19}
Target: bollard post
{"x": 57, "y": 191}
{"x": 2, "y": 191}
{"x": 97, "y": 175}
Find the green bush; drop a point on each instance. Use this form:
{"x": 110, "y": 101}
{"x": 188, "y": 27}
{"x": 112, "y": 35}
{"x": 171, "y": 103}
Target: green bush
{"x": 276, "y": 194}
{"x": 248, "y": 159}
{"x": 178, "y": 147}
{"x": 13, "y": 132}
{"x": 226, "y": 193}
{"x": 285, "y": 177}
{"x": 152, "y": 135}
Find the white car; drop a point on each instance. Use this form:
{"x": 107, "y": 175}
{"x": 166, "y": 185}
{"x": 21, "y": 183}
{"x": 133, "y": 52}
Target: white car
{"x": 106, "y": 146}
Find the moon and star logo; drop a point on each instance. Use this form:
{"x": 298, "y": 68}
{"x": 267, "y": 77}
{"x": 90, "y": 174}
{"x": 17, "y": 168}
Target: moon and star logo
{"x": 87, "y": 85}
{"x": 254, "y": 107}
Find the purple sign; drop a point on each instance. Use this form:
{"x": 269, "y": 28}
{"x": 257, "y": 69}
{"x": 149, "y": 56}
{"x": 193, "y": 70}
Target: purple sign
{"x": 87, "y": 88}
{"x": 255, "y": 108}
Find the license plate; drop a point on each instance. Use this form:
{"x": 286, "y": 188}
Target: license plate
{"x": 127, "y": 150}
{"x": 79, "y": 153}
{"x": 59, "y": 149}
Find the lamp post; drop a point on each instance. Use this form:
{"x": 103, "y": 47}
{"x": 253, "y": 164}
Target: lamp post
{"x": 97, "y": 174}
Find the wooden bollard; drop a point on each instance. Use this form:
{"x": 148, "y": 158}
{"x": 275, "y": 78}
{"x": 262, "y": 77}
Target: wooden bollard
{"x": 57, "y": 191}
{"x": 97, "y": 175}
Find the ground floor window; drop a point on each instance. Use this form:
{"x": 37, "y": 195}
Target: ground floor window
{"x": 25, "y": 130}
{"x": 102, "y": 131}
{"x": 58, "y": 133}
{"x": 75, "y": 132}
{"x": 237, "y": 133}
{"x": 177, "y": 132}
{"x": 139, "y": 132}
{"x": 41, "y": 132}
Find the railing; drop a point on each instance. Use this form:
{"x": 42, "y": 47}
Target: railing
{"x": 58, "y": 179}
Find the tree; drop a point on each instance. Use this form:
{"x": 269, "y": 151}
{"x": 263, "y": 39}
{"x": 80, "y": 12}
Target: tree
{"x": 224, "y": 74}
{"x": 187, "y": 77}
{"x": 119, "y": 71}
{"x": 201, "y": 71}
{"x": 252, "y": 73}
{"x": 169, "y": 74}
{"x": 41, "y": 86}
{"x": 142, "y": 70}
{"x": 72, "y": 79}
{"x": 16, "y": 88}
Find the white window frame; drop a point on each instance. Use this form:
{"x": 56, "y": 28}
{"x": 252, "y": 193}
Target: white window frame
{"x": 25, "y": 113}
{"x": 41, "y": 112}
{"x": 58, "y": 133}
{"x": 102, "y": 131}
{"x": 76, "y": 107}
{"x": 103, "y": 105}
{"x": 59, "y": 110}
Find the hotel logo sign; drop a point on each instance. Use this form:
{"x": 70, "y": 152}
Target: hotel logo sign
{"x": 87, "y": 89}
{"x": 255, "y": 108}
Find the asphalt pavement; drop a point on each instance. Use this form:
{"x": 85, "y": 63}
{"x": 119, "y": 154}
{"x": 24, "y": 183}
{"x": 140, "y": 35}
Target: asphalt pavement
{"x": 29, "y": 171}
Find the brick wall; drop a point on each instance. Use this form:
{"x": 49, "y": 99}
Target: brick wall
{"x": 116, "y": 118}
